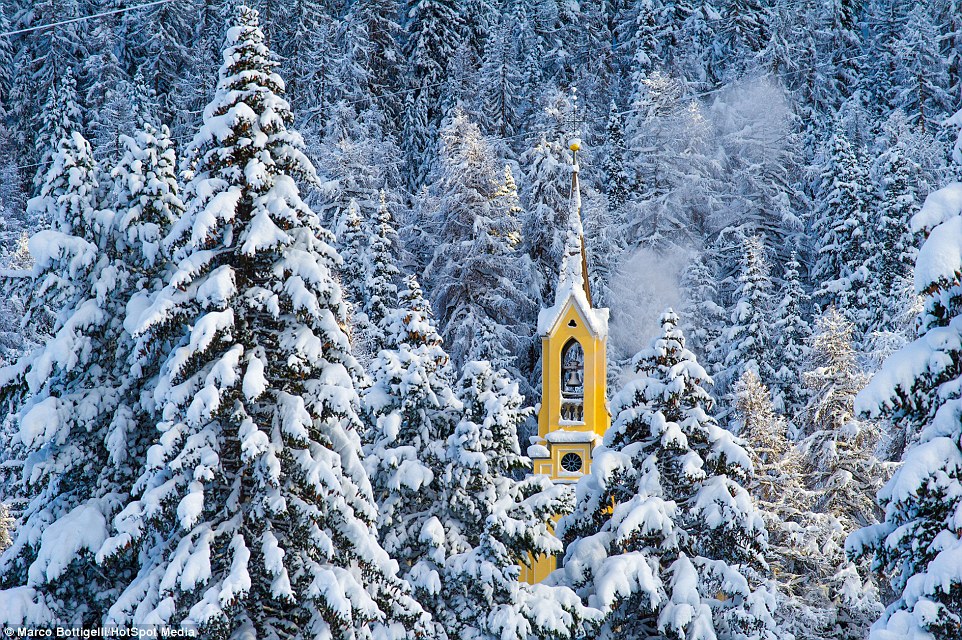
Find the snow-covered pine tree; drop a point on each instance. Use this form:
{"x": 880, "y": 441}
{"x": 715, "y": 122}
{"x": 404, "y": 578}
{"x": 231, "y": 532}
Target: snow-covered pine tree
{"x": 743, "y": 35}
{"x": 157, "y": 45}
{"x": 196, "y": 82}
{"x": 836, "y": 34}
{"x": 109, "y": 99}
{"x": 42, "y": 58}
{"x": 64, "y": 397}
{"x": 6, "y": 59}
{"x": 411, "y": 410}
{"x": 493, "y": 523}
{"x": 796, "y": 532}
{"x": 840, "y": 464}
{"x": 384, "y": 60}
{"x": 478, "y": 273}
{"x": 352, "y": 246}
{"x": 380, "y": 270}
{"x": 840, "y": 221}
{"x": 356, "y": 158}
{"x": 664, "y": 539}
{"x": 704, "y": 317}
{"x": 6, "y": 527}
{"x": 500, "y": 80}
{"x": 891, "y": 245}
{"x": 920, "y": 72}
{"x": 748, "y": 340}
{"x": 254, "y": 513}
{"x": 791, "y": 332}
{"x": 59, "y": 117}
{"x": 307, "y": 45}
{"x": 775, "y": 483}
{"x": 920, "y": 538}
{"x": 603, "y": 248}
{"x": 614, "y": 164}
{"x": 435, "y": 32}
{"x": 546, "y": 202}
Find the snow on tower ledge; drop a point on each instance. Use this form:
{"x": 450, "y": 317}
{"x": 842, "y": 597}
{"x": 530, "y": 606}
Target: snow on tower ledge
{"x": 572, "y": 287}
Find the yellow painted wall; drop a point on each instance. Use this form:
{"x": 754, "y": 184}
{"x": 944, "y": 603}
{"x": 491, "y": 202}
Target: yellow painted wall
{"x": 596, "y": 417}
{"x": 595, "y": 385}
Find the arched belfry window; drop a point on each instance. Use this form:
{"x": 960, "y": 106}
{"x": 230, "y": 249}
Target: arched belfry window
{"x": 573, "y": 382}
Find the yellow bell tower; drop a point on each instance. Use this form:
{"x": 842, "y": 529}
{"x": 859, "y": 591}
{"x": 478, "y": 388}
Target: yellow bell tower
{"x": 574, "y": 411}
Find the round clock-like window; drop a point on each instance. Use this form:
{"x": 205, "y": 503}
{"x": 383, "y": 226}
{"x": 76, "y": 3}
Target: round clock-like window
{"x": 571, "y": 462}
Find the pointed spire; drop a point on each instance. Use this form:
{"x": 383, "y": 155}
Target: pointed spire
{"x": 574, "y": 263}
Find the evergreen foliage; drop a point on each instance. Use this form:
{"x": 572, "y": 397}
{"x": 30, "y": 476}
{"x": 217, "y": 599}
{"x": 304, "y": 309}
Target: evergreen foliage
{"x": 250, "y": 403}
{"x": 664, "y": 539}
{"x": 918, "y": 538}
{"x": 478, "y": 271}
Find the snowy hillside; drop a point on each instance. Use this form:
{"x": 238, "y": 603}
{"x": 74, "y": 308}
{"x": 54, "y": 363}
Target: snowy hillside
{"x": 270, "y": 348}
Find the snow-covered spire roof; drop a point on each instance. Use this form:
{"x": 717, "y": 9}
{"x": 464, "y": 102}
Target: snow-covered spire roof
{"x": 573, "y": 283}
{"x": 573, "y": 263}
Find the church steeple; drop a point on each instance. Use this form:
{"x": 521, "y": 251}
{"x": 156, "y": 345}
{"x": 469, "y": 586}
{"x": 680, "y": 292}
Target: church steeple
{"x": 574, "y": 414}
{"x": 574, "y": 263}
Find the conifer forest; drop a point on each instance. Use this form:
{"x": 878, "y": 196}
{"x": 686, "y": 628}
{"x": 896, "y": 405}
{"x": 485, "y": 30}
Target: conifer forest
{"x": 481, "y": 319}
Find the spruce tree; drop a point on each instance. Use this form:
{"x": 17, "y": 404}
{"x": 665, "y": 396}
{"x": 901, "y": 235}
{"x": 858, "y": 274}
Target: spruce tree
{"x": 59, "y": 118}
{"x": 791, "y": 331}
{"x": 6, "y": 527}
{"x": 384, "y": 60}
{"x": 66, "y": 397}
{"x": 614, "y": 165}
{"x": 442, "y": 456}
{"x": 799, "y": 556}
{"x": 891, "y": 246}
{"x": 704, "y": 317}
{"x": 110, "y": 97}
{"x": 493, "y": 523}
{"x": 918, "y": 541}
{"x": 254, "y": 513}
{"x": 435, "y": 29}
{"x": 43, "y": 58}
{"x": 546, "y": 196}
{"x": 478, "y": 272}
{"x": 380, "y": 269}
{"x": 840, "y": 222}
{"x": 500, "y": 86}
{"x": 158, "y": 46}
{"x": 411, "y": 410}
{"x": 841, "y": 466}
{"x": 663, "y": 530}
{"x": 748, "y": 341}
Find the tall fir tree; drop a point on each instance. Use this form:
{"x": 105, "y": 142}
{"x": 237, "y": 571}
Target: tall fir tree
{"x": 840, "y": 221}
{"x": 60, "y": 117}
{"x": 891, "y": 245}
{"x": 840, "y": 463}
{"x": 435, "y": 31}
{"x": 803, "y": 541}
{"x": 478, "y": 271}
{"x": 255, "y": 398}
{"x": 791, "y": 332}
{"x": 704, "y": 317}
{"x": 663, "y": 529}
{"x": 748, "y": 340}
{"x": 110, "y": 98}
{"x": 500, "y": 80}
{"x": 67, "y": 397}
{"x": 546, "y": 203}
{"x": 919, "y": 537}
{"x": 380, "y": 269}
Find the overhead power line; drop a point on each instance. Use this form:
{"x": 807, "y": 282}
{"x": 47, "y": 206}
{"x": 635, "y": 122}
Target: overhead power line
{"x": 112, "y": 12}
